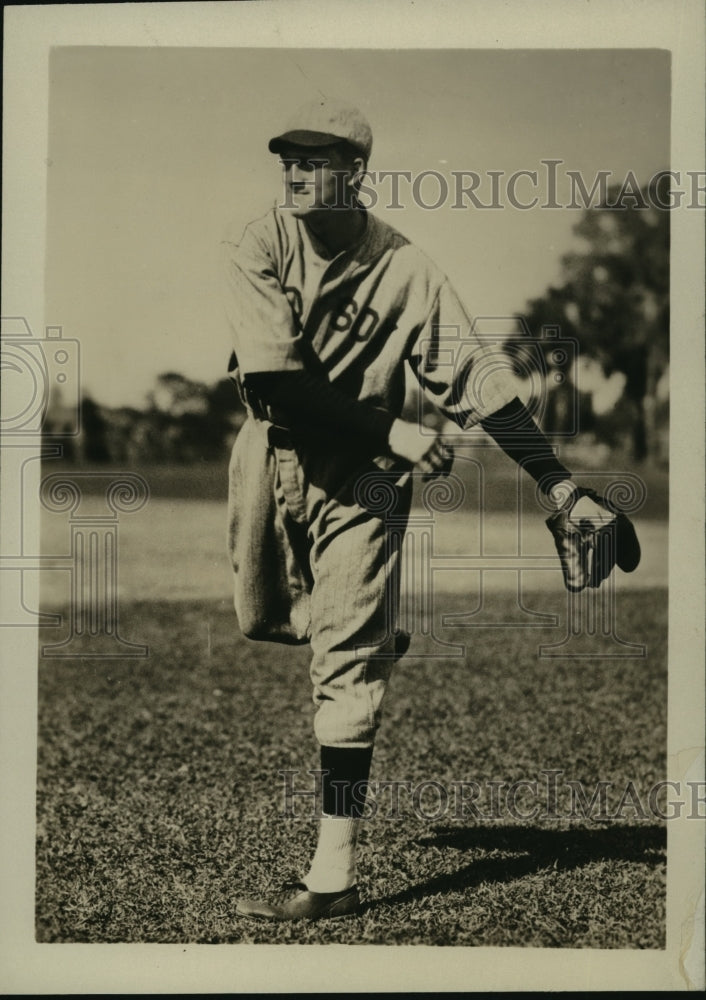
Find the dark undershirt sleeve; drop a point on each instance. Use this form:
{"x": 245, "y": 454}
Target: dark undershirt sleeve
{"x": 311, "y": 400}
{"x": 514, "y": 430}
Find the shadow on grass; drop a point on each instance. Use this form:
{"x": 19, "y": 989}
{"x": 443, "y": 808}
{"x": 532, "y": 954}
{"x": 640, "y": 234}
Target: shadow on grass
{"x": 522, "y": 851}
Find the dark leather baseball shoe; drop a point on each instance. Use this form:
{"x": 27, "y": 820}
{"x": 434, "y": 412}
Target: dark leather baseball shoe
{"x": 296, "y": 902}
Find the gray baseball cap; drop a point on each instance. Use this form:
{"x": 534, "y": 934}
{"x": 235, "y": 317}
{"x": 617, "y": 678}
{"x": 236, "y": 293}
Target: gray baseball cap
{"x": 324, "y": 122}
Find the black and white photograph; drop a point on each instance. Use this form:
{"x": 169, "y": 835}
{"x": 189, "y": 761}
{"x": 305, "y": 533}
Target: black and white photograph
{"x": 352, "y": 477}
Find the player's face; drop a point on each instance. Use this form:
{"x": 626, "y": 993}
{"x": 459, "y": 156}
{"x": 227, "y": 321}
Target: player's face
{"x": 316, "y": 179}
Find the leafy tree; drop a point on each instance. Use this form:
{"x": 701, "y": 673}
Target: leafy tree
{"x": 191, "y": 420}
{"x": 615, "y": 300}
{"x": 177, "y": 395}
{"x": 94, "y": 431}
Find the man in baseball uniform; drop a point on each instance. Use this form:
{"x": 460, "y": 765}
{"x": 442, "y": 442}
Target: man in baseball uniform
{"x": 328, "y": 306}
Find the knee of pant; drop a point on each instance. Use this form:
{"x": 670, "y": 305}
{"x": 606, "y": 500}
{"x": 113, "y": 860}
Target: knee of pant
{"x": 346, "y": 717}
{"x": 333, "y": 732}
{"x": 350, "y": 674}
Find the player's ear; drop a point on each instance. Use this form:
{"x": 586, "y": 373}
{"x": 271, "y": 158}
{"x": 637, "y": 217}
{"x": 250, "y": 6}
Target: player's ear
{"x": 357, "y": 173}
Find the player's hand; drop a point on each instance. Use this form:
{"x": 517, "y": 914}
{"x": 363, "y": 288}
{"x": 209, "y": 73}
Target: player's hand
{"x": 433, "y": 458}
{"x": 587, "y": 513}
{"x": 437, "y": 461}
{"x": 584, "y": 511}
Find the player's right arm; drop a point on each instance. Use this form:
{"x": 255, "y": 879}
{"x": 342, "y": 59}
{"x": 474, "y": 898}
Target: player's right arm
{"x": 273, "y": 362}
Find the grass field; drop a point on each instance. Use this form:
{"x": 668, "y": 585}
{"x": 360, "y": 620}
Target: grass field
{"x": 159, "y": 798}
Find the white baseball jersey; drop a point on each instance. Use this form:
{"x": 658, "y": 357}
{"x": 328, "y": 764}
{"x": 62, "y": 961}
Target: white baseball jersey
{"x": 361, "y": 315}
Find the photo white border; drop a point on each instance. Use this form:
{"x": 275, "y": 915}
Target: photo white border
{"x": 523, "y": 24}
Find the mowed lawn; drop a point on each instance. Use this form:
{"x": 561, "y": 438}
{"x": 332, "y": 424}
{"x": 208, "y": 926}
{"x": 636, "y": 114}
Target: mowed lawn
{"x": 160, "y": 798}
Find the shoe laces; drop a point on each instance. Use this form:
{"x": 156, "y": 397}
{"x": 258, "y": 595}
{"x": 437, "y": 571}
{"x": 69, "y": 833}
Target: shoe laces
{"x": 287, "y": 890}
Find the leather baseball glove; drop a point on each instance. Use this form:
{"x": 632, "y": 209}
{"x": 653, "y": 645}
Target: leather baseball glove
{"x": 591, "y": 537}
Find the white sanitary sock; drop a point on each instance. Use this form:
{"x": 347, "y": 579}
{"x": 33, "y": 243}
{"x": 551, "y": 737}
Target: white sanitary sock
{"x": 333, "y": 866}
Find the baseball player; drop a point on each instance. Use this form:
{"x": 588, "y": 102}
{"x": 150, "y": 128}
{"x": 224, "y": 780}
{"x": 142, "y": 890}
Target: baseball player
{"x": 328, "y": 305}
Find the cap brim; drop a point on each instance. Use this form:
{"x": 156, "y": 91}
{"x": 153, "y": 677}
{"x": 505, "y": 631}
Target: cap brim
{"x": 303, "y": 138}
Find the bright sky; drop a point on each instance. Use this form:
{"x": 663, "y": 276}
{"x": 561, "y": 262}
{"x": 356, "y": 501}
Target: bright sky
{"x": 153, "y": 150}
